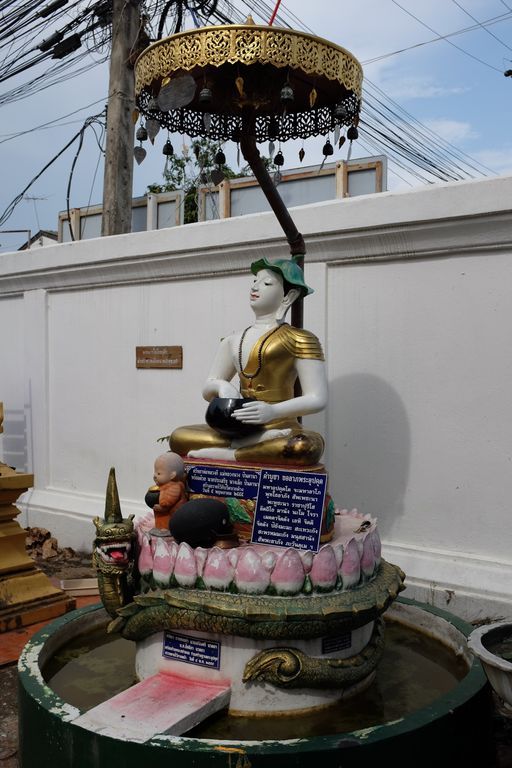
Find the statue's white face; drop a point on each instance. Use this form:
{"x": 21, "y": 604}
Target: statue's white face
{"x": 266, "y": 293}
{"x": 163, "y": 472}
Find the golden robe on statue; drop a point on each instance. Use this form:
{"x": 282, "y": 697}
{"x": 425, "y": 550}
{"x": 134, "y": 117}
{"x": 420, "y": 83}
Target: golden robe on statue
{"x": 269, "y": 376}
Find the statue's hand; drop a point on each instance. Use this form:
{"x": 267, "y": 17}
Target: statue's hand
{"x": 255, "y": 413}
{"x": 226, "y": 389}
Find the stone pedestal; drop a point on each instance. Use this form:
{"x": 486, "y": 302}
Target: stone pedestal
{"x": 27, "y": 595}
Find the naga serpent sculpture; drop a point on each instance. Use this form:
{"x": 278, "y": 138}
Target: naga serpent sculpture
{"x": 113, "y": 552}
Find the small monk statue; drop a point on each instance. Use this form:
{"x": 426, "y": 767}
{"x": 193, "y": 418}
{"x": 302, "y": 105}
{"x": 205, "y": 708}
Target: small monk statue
{"x": 169, "y": 476}
{"x": 268, "y": 357}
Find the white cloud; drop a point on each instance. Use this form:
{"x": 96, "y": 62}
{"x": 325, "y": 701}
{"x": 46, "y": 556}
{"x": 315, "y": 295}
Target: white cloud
{"x": 417, "y": 88}
{"x": 451, "y": 130}
{"x": 497, "y": 160}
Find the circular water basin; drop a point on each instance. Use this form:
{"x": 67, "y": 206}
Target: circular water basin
{"x": 430, "y": 698}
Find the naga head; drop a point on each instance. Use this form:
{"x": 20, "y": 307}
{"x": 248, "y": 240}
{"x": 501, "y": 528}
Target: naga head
{"x": 114, "y": 535}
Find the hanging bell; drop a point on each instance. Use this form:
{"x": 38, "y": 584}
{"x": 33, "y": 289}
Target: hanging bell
{"x": 279, "y": 159}
{"x": 352, "y": 133}
{"x": 328, "y": 149}
{"x": 220, "y": 158}
{"x": 168, "y": 149}
{"x": 141, "y": 134}
{"x": 340, "y": 112}
{"x": 205, "y": 96}
{"x": 287, "y": 95}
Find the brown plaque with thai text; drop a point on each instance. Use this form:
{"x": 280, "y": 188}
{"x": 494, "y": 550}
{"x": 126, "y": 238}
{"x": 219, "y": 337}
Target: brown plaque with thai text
{"x": 159, "y": 357}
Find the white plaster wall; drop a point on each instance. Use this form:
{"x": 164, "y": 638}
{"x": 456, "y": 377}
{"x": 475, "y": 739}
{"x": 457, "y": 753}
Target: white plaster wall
{"x": 412, "y": 303}
{"x": 14, "y": 442}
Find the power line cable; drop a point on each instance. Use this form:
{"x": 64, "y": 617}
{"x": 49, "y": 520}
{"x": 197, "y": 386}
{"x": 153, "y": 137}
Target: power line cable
{"x": 13, "y": 204}
{"x": 50, "y": 123}
{"x": 450, "y": 42}
{"x": 488, "y": 22}
{"x": 459, "y": 5}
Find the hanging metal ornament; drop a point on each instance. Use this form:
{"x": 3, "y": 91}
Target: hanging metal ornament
{"x": 352, "y": 133}
{"x": 278, "y": 177}
{"x": 302, "y": 154}
{"x": 287, "y": 95}
{"x": 139, "y": 154}
{"x": 327, "y": 149}
{"x": 207, "y": 121}
{"x": 271, "y": 149}
{"x": 279, "y": 159}
{"x": 337, "y": 133}
{"x": 341, "y": 141}
{"x": 168, "y": 149}
{"x": 340, "y": 113}
{"x": 205, "y": 97}
{"x": 312, "y": 97}
{"x": 217, "y": 176}
{"x": 141, "y": 134}
{"x": 239, "y": 82}
{"x": 220, "y": 158}
{"x": 152, "y": 127}
{"x": 178, "y": 92}
{"x": 153, "y": 105}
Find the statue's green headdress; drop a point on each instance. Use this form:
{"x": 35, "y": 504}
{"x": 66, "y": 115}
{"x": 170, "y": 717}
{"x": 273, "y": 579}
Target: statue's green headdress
{"x": 289, "y": 270}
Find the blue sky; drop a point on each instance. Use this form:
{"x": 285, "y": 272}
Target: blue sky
{"x": 462, "y": 95}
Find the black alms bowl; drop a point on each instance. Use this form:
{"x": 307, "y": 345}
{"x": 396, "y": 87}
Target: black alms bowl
{"x": 218, "y": 417}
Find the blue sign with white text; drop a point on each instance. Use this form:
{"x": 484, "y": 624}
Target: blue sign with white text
{"x": 225, "y": 482}
{"x": 289, "y": 509}
{"x": 191, "y": 650}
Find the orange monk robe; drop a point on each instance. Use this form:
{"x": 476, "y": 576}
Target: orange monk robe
{"x": 172, "y": 496}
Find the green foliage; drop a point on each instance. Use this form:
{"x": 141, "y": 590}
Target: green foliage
{"x": 191, "y": 169}
{"x": 237, "y": 513}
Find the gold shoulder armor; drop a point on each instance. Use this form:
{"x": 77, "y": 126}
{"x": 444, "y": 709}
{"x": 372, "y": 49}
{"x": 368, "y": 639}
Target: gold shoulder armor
{"x": 301, "y": 343}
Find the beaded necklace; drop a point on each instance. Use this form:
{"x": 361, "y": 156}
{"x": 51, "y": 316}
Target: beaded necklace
{"x": 252, "y": 376}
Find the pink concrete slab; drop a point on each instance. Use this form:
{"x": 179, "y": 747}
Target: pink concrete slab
{"x": 162, "y": 703}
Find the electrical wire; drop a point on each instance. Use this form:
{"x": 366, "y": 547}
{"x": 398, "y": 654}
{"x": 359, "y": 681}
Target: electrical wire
{"x": 488, "y": 22}
{"x": 450, "y": 42}
{"x": 459, "y": 5}
{"x": 384, "y": 124}
{"x": 14, "y": 203}
{"x": 50, "y": 123}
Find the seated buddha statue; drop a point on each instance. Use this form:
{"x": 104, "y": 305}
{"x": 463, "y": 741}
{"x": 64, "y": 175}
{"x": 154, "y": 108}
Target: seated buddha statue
{"x": 268, "y": 357}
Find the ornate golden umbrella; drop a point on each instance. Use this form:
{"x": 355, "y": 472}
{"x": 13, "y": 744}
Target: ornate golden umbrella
{"x": 251, "y": 84}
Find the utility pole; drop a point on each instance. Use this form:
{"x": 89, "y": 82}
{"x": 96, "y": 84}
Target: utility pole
{"x": 118, "y": 176}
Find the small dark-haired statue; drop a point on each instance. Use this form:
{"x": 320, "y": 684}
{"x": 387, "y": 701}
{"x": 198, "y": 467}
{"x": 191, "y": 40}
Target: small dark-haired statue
{"x": 268, "y": 357}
